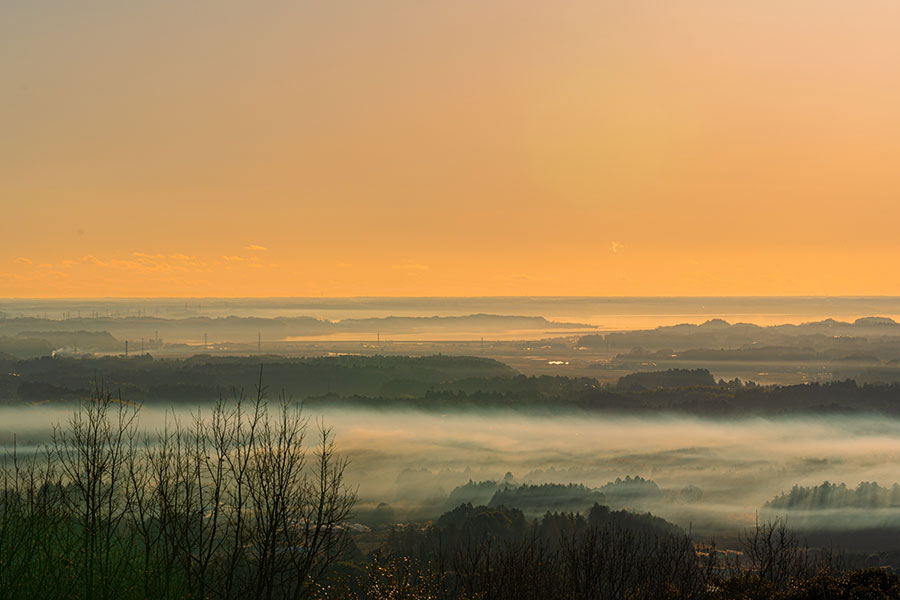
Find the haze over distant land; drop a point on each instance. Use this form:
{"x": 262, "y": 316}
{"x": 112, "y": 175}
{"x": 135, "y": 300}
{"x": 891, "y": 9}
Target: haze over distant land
{"x": 615, "y": 313}
{"x": 241, "y": 329}
{"x": 769, "y": 340}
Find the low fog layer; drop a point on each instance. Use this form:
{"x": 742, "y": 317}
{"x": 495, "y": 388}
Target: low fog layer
{"x": 412, "y": 460}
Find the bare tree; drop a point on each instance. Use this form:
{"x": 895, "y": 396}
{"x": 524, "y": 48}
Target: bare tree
{"x": 250, "y": 509}
{"x": 92, "y": 454}
{"x": 243, "y": 501}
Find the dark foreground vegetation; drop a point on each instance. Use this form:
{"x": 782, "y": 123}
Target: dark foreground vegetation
{"x": 249, "y": 501}
{"x": 602, "y": 556}
{"x": 246, "y": 502}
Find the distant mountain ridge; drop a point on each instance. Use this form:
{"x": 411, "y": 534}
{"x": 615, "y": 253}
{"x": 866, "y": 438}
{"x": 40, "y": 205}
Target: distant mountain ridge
{"x": 720, "y": 334}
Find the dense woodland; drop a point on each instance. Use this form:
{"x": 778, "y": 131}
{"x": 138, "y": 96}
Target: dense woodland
{"x": 834, "y": 495}
{"x": 428, "y": 383}
{"x": 537, "y": 499}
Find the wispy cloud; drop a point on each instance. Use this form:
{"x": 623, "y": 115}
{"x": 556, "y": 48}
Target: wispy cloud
{"x": 144, "y": 262}
{"x": 141, "y": 264}
{"x": 92, "y": 260}
{"x": 255, "y": 248}
{"x": 617, "y": 247}
{"x": 411, "y": 267}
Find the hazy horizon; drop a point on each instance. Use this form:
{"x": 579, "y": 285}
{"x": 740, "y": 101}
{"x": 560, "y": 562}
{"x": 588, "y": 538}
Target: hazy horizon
{"x": 609, "y": 313}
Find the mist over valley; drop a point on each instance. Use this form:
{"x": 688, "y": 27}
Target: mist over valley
{"x": 657, "y": 420}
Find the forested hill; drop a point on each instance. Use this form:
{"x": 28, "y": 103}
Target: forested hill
{"x": 427, "y": 383}
{"x": 204, "y": 377}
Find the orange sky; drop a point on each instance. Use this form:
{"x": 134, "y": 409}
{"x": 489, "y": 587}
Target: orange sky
{"x": 467, "y": 147}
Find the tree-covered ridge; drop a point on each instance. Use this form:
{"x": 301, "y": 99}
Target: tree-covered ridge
{"x": 631, "y": 488}
{"x": 866, "y": 495}
{"x": 572, "y": 497}
{"x": 204, "y": 377}
{"x": 537, "y": 499}
{"x": 466, "y": 523}
{"x": 671, "y": 378}
{"x": 427, "y": 382}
